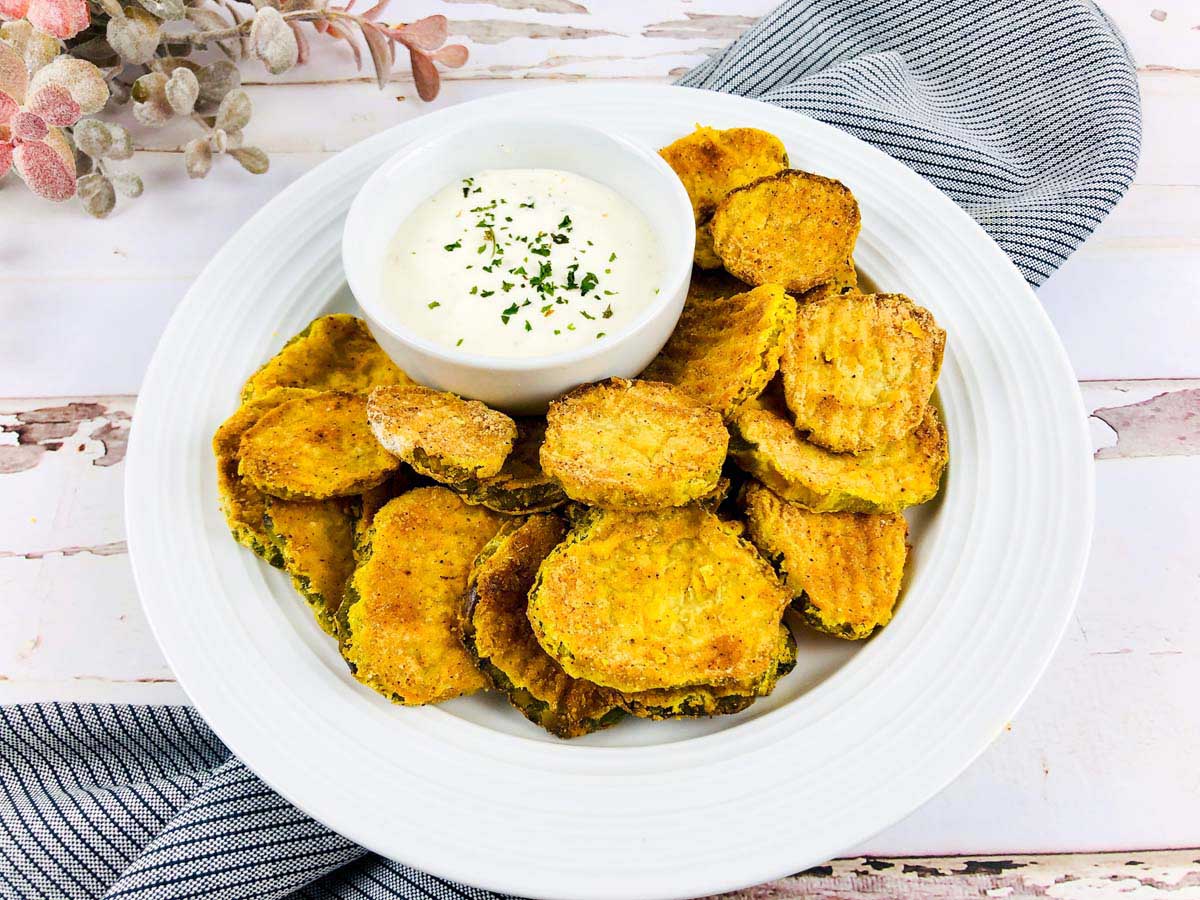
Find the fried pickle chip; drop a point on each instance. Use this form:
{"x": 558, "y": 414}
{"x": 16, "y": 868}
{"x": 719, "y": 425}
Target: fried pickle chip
{"x": 314, "y": 448}
{"x": 316, "y": 541}
{"x": 705, "y": 255}
{"x": 725, "y": 350}
{"x": 845, "y": 281}
{"x": 843, "y": 569}
{"x": 795, "y": 228}
{"x": 712, "y": 162}
{"x": 633, "y": 445}
{"x": 399, "y": 622}
{"x": 439, "y": 434}
{"x": 884, "y": 480}
{"x": 372, "y": 501}
{"x": 241, "y": 502}
{"x": 496, "y": 631}
{"x": 667, "y": 599}
{"x": 520, "y": 487}
{"x": 706, "y": 700}
{"x": 859, "y": 369}
{"x": 334, "y": 353}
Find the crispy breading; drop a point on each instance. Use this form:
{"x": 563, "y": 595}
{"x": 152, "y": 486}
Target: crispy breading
{"x": 712, "y": 162}
{"x": 242, "y": 502}
{"x": 843, "y": 569}
{"x": 440, "y": 434}
{"x": 372, "y": 500}
{"x": 399, "y": 622}
{"x": 496, "y": 631}
{"x": 334, "y": 353}
{"x": 883, "y": 480}
{"x": 705, "y": 256}
{"x": 844, "y": 281}
{"x": 706, "y": 700}
{"x": 725, "y": 350}
{"x": 633, "y": 445}
{"x": 520, "y": 487}
{"x": 666, "y": 599}
{"x": 795, "y": 228}
{"x": 314, "y": 448}
{"x": 316, "y": 540}
{"x": 859, "y": 369}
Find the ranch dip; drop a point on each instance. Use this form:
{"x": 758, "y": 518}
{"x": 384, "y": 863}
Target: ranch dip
{"x": 522, "y": 263}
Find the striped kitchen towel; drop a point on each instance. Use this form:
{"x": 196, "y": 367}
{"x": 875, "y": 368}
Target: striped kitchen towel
{"x": 1025, "y": 112}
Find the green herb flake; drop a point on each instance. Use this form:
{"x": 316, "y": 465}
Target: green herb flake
{"x": 570, "y": 326}
{"x": 600, "y": 334}
{"x": 475, "y": 289}
{"x": 454, "y": 246}
{"x": 528, "y": 327}
{"x": 506, "y": 286}
{"x": 589, "y": 283}
{"x": 433, "y": 304}
{"x": 612, "y": 257}
{"x": 459, "y": 344}
{"x": 565, "y": 223}
{"x": 587, "y": 315}
{"x": 528, "y": 205}
{"x": 559, "y": 238}
{"x": 608, "y": 313}
{"x": 540, "y": 251}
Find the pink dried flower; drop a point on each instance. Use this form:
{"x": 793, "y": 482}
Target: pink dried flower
{"x": 61, "y": 18}
{"x": 30, "y": 139}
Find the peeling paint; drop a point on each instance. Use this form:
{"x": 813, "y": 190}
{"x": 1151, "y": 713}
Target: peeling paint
{"x": 701, "y": 25}
{"x": 45, "y": 429}
{"x": 113, "y": 548}
{"x": 546, "y": 6}
{"x": 1167, "y": 424}
{"x": 497, "y": 31}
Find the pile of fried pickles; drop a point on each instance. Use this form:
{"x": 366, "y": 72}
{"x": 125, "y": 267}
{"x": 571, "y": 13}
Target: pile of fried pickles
{"x": 633, "y": 552}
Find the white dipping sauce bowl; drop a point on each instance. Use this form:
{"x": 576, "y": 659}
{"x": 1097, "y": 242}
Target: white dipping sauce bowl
{"x": 519, "y": 385}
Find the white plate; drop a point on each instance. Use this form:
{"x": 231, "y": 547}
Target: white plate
{"x": 857, "y": 738}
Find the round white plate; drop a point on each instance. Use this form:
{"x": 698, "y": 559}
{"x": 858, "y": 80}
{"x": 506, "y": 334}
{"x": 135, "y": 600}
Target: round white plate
{"x": 859, "y": 736}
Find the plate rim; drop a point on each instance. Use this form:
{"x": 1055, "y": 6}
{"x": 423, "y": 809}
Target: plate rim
{"x": 359, "y": 156}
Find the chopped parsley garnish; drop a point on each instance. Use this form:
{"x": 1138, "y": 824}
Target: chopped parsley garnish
{"x": 608, "y": 313}
{"x": 587, "y": 315}
{"x": 528, "y": 205}
{"x": 506, "y": 286}
{"x": 454, "y": 246}
{"x": 482, "y": 247}
{"x": 600, "y": 335}
{"x": 433, "y": 304}
{"x": 486, "y": 293}
{"x": 509, "y": 313}
{"x": 459, "y": 344}
{"x": 565, "y": 223}
{"x": 528, "y": 327}
{"x": 589, "y": 283}
{"x": 540, "y": 251}
{"x": 559, "y": 238}
{"x": 612, "y": 257}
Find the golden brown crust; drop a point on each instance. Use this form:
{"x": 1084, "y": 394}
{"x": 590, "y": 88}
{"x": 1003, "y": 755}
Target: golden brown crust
{"x": 794, "y": 228}
{"x": 725, "y": 350}
{"x": 440, "y": 434}
{"x": 707, "y": 700}
{"x": 398, "y": 623}
{"x": 520, "y": 487}
{"x": 633, "y": 445}
{"x": 241, "y": 502}
{"x": 887, "y": 479}
{"x": 496, "y": 631}
{"x": 705, "y": 255}
{"x": 314, "y": 448}
{"x": 316, "y": 540}
{"x": 843, "y": 569}
{"x": 640, "y": 601}
{"x": 844, "y": 281}
{"x": 712, "y": 162}
{"x": 860, "y": 369}
{"x": 334, "y": 353}
{"x": 371, "y": 501}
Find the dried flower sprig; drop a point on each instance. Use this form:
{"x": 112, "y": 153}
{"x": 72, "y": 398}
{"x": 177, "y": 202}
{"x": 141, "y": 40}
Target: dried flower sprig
{"x": 61, "y": 60}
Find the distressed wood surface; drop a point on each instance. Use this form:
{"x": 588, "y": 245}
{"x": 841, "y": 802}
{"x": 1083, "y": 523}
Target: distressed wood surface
{"x": 1100, "y": 758}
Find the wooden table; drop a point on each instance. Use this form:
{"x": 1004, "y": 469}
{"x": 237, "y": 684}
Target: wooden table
{"x": 1083, "y": 793}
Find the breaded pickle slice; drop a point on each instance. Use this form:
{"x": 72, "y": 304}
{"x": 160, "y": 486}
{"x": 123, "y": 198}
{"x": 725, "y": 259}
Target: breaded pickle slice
{"x": 887, "y": 479}
{"x": 795, "y": 228}
{"x": 712, "y": 162}
{"x": 633, "y": 445}
{"x": 705, "y": 255}
{"x": 241, "y": 502}
{"x": 844, "y": 281}
{"x": 314, "y": 448}
{"x": 496, "y": 631}
{"x": 440, "y": 434}
{"x": 705, "y": 700}
{"x": 843, "y": 569}
{"x": 399, "y": 622}
{"x": 520, "y": 487}
{"x": 725, "y": 350}
{"x": 316, "y": 540}
{"x": 370, "y": 502}
{"x": 666, "y": 599}
{"x": 334, "y": 353}
{"x": 709, "y": 286}
{"x": 859, "y": 369}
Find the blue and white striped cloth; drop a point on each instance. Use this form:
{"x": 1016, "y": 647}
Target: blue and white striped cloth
{"x": 1024, "y": 112}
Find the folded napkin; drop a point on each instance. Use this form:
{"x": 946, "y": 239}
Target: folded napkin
{"x": 1025, "y": 113}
